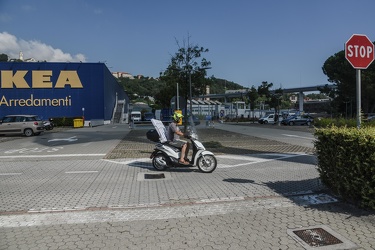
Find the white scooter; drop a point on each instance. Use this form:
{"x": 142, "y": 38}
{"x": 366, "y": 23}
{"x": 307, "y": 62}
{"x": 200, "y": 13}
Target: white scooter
{"x": 166, "y": 155}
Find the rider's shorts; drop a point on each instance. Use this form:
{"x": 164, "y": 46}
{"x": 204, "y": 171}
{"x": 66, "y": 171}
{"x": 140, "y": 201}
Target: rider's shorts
{"x": 178, "y": 143}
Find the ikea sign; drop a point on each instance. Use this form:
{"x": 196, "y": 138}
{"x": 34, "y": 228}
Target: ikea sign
{"x": 40, "y": 79}
{"x": 58, "y": 89}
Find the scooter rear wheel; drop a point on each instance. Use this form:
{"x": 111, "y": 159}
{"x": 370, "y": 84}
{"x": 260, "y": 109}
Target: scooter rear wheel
{"x": 207, "y": 163}
{"x": 160, "y": 162}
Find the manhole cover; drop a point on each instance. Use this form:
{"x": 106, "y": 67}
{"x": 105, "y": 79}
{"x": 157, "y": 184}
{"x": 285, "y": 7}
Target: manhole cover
{"x": 317, "y": 237}
{"x": 154, "y": 176}
{"x": 161, "y": 176}
{"x": 320, "y": 237}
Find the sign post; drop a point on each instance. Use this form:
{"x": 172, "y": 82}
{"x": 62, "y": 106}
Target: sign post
{"x": 359, "y": 51}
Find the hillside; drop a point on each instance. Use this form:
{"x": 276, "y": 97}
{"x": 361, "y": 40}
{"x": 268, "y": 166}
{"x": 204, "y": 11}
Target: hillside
{"x": 146, "y": 86}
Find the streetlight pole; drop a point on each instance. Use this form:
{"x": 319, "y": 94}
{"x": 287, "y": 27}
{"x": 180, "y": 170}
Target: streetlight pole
{"x": 190, "y": 95}
{"x": 178, "y": 99}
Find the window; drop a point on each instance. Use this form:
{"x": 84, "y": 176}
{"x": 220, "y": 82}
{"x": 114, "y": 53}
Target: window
{"x": 8, "y": 119}
{"x": 20, "y": 119}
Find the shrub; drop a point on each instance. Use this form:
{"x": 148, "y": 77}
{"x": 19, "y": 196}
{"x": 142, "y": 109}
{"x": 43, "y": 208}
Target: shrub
{"x": 338, "y": 122}
{"x": 346, "y": 157}
{"x": 64, "y": 121}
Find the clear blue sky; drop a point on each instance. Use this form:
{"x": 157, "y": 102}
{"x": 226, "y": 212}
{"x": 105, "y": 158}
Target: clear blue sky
{"x": 284, "y": 42}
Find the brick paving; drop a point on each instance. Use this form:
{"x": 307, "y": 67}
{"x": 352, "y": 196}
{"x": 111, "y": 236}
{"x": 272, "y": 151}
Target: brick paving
{"x": 261, "y": 190}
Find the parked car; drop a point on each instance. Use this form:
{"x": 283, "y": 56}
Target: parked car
{"x": 268, "y": 119}
{"x": 21, "y": 124}
{"x": 298, "y": 120}
{"x": 370, "y": 118}
{"x": 135, "y": 116}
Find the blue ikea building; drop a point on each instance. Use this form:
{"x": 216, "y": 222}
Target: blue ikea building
{"x": 71, "y": 90}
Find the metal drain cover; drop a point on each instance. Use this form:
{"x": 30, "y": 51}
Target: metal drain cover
{"x": 154, "y": 176}
{"x": 317, "y": 237}
{"x": 320, "y": 237}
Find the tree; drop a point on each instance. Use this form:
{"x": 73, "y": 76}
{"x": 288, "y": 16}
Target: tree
{"x": 3, "y": 58}
{"x": 275, "y": 99}
{"x": 264, "y": 92}
{"x": 343, "y": 75}
{"x": 183, "y": 68}
{"x": 264, "y": 89}
{"x": 253, "y": 97}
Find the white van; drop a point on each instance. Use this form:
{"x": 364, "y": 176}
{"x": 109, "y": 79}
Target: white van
{"x": 269, "y": 119}
{"x": 135, "y": 116}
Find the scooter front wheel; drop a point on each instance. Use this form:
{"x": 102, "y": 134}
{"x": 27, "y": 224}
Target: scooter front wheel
{"x": 160, "y": 161}
{"x": 207, "y": 163}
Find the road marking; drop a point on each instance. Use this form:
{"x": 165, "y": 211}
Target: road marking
{"x": 254, "y": 159}
{"x": 48, "y": 156}
{"x": 129, "y": 161}
{"x": 129, "y": 215}
{"x": 245, "y": 159}
{"x": 123, "y": 213}
{"x": 70, "y": 139}
{"x": 5, "y": 174}
{"x": 33, "y": 150}
{"x": 297, "y": 136}
{"x": 81, "y": 172}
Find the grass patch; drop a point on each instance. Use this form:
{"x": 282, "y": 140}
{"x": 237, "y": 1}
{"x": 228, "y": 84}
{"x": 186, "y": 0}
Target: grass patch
{"x": 212, "y": 144}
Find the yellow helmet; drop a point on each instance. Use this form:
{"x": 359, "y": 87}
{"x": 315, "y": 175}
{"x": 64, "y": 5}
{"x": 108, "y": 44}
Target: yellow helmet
{"x": 177, "y": 116}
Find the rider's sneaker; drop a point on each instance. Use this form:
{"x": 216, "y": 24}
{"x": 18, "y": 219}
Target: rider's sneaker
{"x": 184, "y": 163}
{"x": 187, "y": 160}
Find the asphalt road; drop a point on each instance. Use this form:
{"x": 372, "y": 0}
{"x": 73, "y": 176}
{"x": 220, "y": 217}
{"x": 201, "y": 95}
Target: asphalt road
{"x": 296, "y": 135}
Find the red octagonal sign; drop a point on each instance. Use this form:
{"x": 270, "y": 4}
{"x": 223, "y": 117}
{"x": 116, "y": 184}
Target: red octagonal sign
{"x": 359, "y": 51}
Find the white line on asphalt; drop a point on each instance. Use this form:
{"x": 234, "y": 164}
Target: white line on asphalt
{"x": 129, "y": 161}
{"x": 297, "y": 136}
{"x": 81, "y": 172}
{"x": 253, "y": 159}
{"x": 245, "y": 159}
{"x": 47, "y": 217}
{"x": 70, "y": 139}
{"x": 148, "y": 213}
{"x": 4, "y": 174}
{"x": 47, "y": 156}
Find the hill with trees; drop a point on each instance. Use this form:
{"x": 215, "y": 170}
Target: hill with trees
{"x": 146, "y": 89}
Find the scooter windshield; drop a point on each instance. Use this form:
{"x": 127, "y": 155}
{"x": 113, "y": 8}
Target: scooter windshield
{"x": 191, "y": 127}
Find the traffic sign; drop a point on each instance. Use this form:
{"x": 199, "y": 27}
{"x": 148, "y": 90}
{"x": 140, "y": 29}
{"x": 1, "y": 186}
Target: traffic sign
{"x": 359, "y": 51}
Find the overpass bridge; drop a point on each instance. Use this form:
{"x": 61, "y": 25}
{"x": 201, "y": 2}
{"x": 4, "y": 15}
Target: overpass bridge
{"x": 299, "y": 90}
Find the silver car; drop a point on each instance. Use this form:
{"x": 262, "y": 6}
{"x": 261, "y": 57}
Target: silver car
{"x": 21, "y": 124}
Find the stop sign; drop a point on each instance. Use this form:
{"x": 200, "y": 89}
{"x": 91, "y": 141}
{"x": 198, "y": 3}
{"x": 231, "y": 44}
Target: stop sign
{"x": 359, "y": 51}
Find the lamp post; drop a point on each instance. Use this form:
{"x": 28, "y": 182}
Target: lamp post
{"x": 190, "y": 95}
{"x": 178, "y": 99}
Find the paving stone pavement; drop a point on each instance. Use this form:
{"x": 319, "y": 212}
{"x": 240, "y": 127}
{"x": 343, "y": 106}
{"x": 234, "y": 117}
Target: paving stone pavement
{"x": 261, "y": 190}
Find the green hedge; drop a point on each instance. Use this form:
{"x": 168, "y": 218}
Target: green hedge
{"x": 341, "y": 122}
{"x": 338, "y": 122}
{"x": 64, "y": 121}
{"x": 346, "y": 162}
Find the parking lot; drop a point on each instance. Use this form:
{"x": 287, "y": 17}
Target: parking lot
{"x": 87, "y": 188}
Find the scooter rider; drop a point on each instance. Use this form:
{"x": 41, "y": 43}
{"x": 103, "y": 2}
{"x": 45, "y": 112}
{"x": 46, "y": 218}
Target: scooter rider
{"x": 174, "y": 134}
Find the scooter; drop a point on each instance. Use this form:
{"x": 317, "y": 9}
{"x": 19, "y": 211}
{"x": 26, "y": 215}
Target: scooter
{"x": 165, "y": 155}
{"x": 48, "y": 125}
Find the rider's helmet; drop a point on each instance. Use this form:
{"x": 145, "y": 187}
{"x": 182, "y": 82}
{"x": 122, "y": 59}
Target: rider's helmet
{"x": 177, "y": 116}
